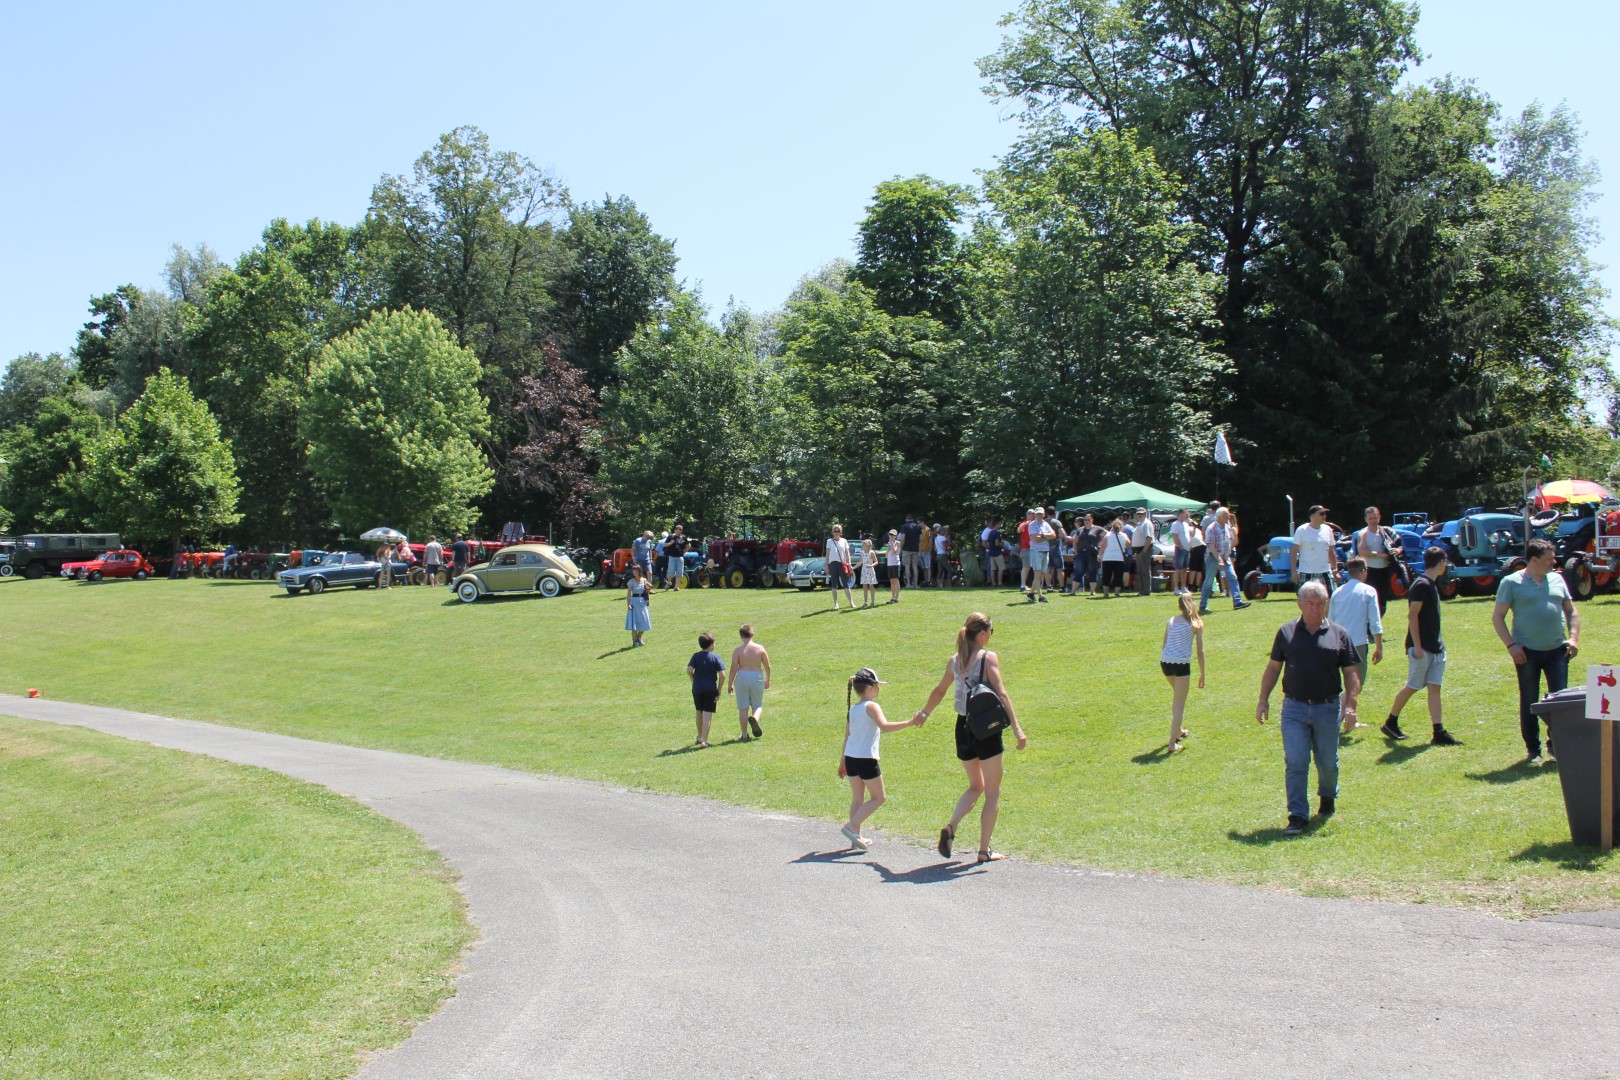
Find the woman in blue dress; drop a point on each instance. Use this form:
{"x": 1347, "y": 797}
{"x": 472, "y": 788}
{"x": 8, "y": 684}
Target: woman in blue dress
{"x": 637, "y": 597}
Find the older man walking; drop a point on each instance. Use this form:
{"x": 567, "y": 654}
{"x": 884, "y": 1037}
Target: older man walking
{"x": 1545, "y": 637}
{"x": 1317, "y": 664}
{"x": 1218, "y": 555}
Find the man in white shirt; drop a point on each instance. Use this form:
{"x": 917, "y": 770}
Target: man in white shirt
{"x": 1354, "y": 606}
{"x": 1314, "y": 557}
{"x": 1183, "y": 541}
{"x": 1142, "y": 549}
{"x": 1040, "y": 550}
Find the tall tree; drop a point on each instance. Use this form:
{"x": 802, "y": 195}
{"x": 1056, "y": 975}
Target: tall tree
{"x": 908, "y": 248}
{"x": 391, "y": 419}
{"x": 1086, "y": 329}
{"x": 683, "y": 437}
{"x": 29, "y": 381}
{"x": 618, "y": 274}
{"x": 164, "y": 472}
{"x": 1225, "y": 94}
{"x": 43, "y": 480}
{"x": 555, "y": 462}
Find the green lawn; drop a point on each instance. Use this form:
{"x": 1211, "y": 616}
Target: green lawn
{"x": 548, "y": 685}
{"x": 167, "y": 915}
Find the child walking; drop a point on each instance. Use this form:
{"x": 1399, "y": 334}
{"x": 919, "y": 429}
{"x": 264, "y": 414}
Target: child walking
{"x": 1182, "y": 633}
{"x": 892, "y": 559}
{"x": 863, "y": 728}
{"x": 705, "y": 669}
{"x": 868, "y": 574}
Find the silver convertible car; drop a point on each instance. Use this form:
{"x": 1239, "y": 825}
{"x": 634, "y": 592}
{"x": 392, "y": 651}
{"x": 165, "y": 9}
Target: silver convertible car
{"x": 520, "y": 568}
{"x": 336, "y": 568}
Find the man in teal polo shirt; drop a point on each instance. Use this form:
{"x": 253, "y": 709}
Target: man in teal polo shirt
{"x": 1545, "y": 636}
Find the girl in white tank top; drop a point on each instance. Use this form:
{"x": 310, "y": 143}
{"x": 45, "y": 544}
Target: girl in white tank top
{"x": 858, "y": 763}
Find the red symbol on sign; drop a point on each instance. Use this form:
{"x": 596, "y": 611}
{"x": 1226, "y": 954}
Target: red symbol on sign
{"x": 1606, "y": 679}
{"x": 1604, "y": 711}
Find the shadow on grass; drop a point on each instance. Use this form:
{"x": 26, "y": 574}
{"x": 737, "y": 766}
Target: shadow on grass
{"x": 228, "y": 582}
{"x": 1398, "y": 754}
{"x": 1568, "y": 855}
{"x": 1263, "y": 837}
{"x": 1156, "y": 756}
{"x": 932, "y": 874}
{"x": 688, "y": 749}
{"x": 1512, "y": 774}
{"x": 615, "y": 652}
{"x": 821, "y": 611}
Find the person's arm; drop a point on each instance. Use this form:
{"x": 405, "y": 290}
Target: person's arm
{"x": 691, "y": 672}
{"x": 843, "y": 743}
{"x": 1268, "y": 683}
{"x": 1505, "y": 636}
{"x": 1293, "y": 560}
{"x": 1573, "y": 618}
{"x": 1375, "y": 626}
{"x": 937, "y": 694}
{"x": 1414, "y": 607}
{"x": 1198, "y": 643}
{"x": 992, "y": 676}
{"x": 1362, "y": 547}
{"x": 875, "y": 711}
{"x": 731, "y": 676}
{"x": 765, "y": 662}
{"x": 1352, "y": 690}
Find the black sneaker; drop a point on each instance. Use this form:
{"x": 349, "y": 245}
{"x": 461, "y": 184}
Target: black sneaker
{"x": 1241, "y": 605}
{"x": 1533, "y": 759}
{"x": 1295, "y": 826}
{"x": 1324, "y": 806}
{"x": 753, "y": 725}
{"x": 1444, "y": 738}
{"x": 1392, "y": 730}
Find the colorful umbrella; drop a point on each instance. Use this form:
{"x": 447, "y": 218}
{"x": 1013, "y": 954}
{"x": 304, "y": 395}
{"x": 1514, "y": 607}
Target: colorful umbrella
{"x": 1569, "y": 491}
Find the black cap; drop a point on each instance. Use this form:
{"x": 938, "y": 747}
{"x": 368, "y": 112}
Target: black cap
{"x": 867, "y": 675}
{"x": 1318, "y": 509}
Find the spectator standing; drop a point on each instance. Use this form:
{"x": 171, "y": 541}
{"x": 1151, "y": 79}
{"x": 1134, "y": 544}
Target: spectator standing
{"x": 1183, "y": 635}
{"x": 1313, "y": 556}
{"x": 1425, "y": 650}
{"x": 1545, "y": 636}
{"x": 984, "y": 548}
{"x": 1196, "y": 550}
{"x": 868, "y": 573}
{"x": 460, "y": 555}
{"x": 839, "y": 566}
{"x": 1084, "y": 540}
{"x": 925, "y": 555}
{"x": 981, "y": 759}
{"x": 1023, "y": 552}
{"x": 675, "y": 558}
{"x": 1057, "y": 546}
{"x": 1380, "y": 547}
{"x": 1312, "y": 655}
{"x": 1219, "y": 547}
{"x": 750, "y": 678}
{"x": 892, "y": 561}
{"x": 1040, "y": 552}
{"x": 1115, "y": 550}
{"x": 1182, "y": 541}
{"x": 433, "y": 559}
{"x": 995, "y": 545}
{"x": 637, "y": 605}
{"x": 1142, "y": 549}
{"x": 1210, "y": 515}
{"x": 641, "y": 552}
{"x": 910, "y": 548}
{"x": 942, "y": 555}
{"x": 1354, "y": 606}
{"x": 705, "y": 669}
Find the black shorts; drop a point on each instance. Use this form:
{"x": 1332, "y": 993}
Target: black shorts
{"x": 970, "y": 749}
{"x": 1175, "y": 669}
{"x": 705, "y": 700}
{"x": 865, "y": 768}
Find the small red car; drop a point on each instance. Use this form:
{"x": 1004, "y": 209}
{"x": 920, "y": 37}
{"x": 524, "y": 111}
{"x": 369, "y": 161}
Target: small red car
{"x": 122, "y": 563}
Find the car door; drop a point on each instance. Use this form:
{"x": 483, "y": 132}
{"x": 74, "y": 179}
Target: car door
{"x": 356, "y": 567}
{"x": 530, "y": 565}
{"x": 504, "y": 573}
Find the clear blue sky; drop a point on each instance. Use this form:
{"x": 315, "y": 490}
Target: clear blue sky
{"x": 752, "y": 134}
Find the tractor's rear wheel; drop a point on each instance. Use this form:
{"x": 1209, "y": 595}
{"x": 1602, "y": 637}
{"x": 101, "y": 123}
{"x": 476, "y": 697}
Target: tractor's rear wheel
{"x": 1449, "y": 588}
{"x": 1578, "y": 576}
{"x": 735, "y": 578}
{"x": 767, "y": 578}
{"x": 1253, "y": 587}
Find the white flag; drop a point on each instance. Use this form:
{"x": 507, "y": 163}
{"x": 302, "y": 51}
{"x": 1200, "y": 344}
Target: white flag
{"x": 1223, "y": 453}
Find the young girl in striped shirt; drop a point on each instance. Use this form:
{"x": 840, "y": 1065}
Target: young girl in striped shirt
{"x": 1182, "y": 634}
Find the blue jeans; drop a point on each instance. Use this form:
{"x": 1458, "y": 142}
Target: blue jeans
{"x": 1211, "y": 564}
{"x": 1554, "y": 664}
{"x": 1310, "y": 731}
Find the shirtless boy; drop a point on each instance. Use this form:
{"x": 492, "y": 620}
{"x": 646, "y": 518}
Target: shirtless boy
{"x": 750, "y": 678}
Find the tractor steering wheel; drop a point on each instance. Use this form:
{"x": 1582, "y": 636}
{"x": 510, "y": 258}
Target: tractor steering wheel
{"x": 1544, "y": 519}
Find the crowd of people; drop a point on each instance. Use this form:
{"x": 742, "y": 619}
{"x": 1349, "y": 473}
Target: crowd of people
{"x": 1321, "y": 658}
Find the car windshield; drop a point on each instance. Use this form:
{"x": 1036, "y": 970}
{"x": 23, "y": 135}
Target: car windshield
{"x": 353, "y": 558}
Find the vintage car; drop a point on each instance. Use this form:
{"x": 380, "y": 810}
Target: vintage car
{"x": 122, "y": 563}
{"x": 521, "y": 568}
{"x": 323, "y": 570}
{"x": 806, "y": 574}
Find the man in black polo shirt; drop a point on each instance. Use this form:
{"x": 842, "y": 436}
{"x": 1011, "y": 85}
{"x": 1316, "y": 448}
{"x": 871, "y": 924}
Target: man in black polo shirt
{"x": 1312, "y": 655}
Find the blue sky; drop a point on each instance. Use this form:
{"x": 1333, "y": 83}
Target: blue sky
{"x": 752, "y": 134}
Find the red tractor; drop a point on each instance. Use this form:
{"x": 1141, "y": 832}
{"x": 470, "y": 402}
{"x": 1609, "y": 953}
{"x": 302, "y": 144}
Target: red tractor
{"x": 760, "y": 556}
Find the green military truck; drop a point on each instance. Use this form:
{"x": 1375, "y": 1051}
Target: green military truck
{"x": 39, "y": 554}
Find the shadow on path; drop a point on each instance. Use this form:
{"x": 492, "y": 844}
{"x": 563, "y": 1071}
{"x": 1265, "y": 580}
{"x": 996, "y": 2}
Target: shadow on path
{"x": 922, "y": 875}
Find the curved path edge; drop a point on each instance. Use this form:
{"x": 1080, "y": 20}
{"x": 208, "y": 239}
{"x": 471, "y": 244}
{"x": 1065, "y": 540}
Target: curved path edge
{"x": 635, "y": 935}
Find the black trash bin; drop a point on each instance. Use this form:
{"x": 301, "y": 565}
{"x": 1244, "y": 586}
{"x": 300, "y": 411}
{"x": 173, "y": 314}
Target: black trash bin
{"x": 1576, "y": 740}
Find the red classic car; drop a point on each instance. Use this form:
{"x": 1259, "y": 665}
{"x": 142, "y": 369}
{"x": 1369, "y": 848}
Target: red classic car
{"x": 122, "y": 563}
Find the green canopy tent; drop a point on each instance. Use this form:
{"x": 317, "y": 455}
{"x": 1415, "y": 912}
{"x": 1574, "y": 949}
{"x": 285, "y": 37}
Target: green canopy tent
{"x": 1129, "y": 495}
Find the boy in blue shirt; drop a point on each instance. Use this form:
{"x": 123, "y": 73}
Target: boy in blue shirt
{"x": 705, "y": 669}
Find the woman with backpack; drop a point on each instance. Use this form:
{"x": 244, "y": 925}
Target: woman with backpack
{"x": 971, "y": 666}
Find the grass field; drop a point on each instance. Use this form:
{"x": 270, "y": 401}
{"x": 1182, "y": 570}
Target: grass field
{"x": 167, "y": 915}
{"x": 549, "y": 686}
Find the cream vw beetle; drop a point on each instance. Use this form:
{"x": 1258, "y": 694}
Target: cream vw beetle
{"x": 519, "y": 568}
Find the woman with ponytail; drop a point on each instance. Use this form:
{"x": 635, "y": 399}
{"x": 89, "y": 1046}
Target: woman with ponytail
{"x": 1182, "y": 635}
{"x": 981, "y": 759}
{"x": 864, "y": 726}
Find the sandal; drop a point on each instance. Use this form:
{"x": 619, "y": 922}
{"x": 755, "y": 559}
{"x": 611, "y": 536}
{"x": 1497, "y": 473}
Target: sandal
{"x": 989, "y": 856}
{"x": 945, "y": 838}
{"x": 753, "y": 724}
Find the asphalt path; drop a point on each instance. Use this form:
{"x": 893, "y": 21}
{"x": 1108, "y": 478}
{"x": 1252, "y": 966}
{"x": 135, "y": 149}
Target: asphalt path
{"x": 634, "y": 935}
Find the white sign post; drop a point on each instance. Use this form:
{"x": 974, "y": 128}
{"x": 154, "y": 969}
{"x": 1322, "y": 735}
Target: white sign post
{"x": 1603, "y": 704}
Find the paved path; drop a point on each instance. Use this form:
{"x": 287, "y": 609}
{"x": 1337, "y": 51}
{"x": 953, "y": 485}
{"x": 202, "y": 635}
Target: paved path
{"x": 630, "y": 935}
